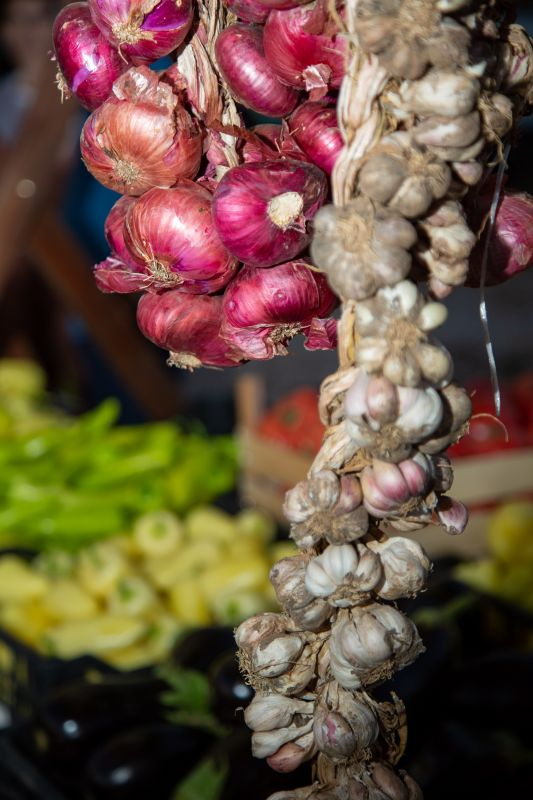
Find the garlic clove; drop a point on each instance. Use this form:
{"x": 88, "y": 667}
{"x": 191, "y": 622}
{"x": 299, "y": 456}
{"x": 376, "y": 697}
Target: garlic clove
{"x": 276, "y": 656}
{"x": 269, "y": 711}
{"x": 433, "y": 315}
{"x": 452, "y": 515}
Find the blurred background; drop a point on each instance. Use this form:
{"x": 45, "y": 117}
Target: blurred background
{"x": 137, "y": 529}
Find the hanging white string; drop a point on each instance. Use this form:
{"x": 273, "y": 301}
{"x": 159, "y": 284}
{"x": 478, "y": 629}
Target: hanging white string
{"x": 483, "y": 312}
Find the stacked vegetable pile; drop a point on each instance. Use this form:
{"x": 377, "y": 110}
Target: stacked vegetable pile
{"x": 69, "y": 481}
{"x": 202, "y": 194}
{"x": 128, "y": 599}
{"x": 432, "y": 90}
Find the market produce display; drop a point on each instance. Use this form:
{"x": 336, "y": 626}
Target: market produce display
{"x": 128, "y": 599}
{"x": 427, "y": 95}
{"x": 508, "y": 570}
{"x": 68, "y": 481}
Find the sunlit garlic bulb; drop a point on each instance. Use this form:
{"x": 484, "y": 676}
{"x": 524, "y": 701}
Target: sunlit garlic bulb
{"x": 392, "y": 337}
{"x": 387, "y": 419}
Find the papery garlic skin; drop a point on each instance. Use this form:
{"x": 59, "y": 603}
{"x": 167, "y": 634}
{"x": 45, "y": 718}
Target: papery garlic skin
{"x": 388, "y": 419}
{"x": 405, "y": 567}
{"x": 370, "y": 643}
{"x": 392, "y": 337}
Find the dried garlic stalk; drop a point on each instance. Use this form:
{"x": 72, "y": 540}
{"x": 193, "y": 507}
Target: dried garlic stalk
{"x": 432, "y": 90}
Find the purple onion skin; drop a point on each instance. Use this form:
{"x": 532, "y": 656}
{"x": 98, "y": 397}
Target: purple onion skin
{"x": 185, "y": 324}
{"x": 248, "y": 10}
{"x": 315, "y": 129}
{"x": 281, "y": 4}
{"x": 88, "y": 62}
{"x": 254, "y": 84}
{"x": 240, "y": 210}
{"x": 166, "y": 26}
{"x": 291, "y": 48}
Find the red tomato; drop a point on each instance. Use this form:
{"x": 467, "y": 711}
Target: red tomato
{"x": 294, "y": 421}
{"x": 486, "y": 433}
{"x": 522, "y": 393}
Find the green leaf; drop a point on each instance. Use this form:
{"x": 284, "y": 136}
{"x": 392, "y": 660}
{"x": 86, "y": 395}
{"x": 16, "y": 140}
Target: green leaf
{"x": 190, "y": 690}
{"x": 205, "y": 782}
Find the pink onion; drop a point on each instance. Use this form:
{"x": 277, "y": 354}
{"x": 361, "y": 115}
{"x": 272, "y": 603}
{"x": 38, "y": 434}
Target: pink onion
{"x": 88, "y": 63}
{"x": 114, "y": 232}
{"x": 303, "y": 48}
{"x": 143, "y": 30}
{"x": 511, "y": 245}
{"x": 171, "y": 231}
{"x": 188, "y": 326}
{"x": 253, "y": 82}
{"x": 265, "y": 308}
{"x": 141, "y": 136}
{"x": 314, "y": 127}
{"x": 248, "y": 10}
{"x": 269, "y": 141}
{"x": 262, "y": 210}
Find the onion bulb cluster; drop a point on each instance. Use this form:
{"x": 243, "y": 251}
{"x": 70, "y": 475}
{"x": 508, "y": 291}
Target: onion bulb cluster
{"x": 207, "y": 204}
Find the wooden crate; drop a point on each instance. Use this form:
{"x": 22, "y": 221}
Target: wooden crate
{"x": 269, "y": 469}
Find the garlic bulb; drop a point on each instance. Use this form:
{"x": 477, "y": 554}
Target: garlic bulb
{"x": 405, "y": 567}
{"x": 392, "y": 338}
{"x": 256, "y": 629}
{"x": 288, "y": 579}
{"x": 387, "y": 29}
{"x": 335, "y": 566}
{"x": 447, "y": 93}
{"x": 362, "y": 247}
{"x": 340, "y": 576}
{"x": 388, "y": 419}
{"x": 403, "y": 175}
{"x": 369, "y": 643}
{"x": 345, "y": 725}
{"x": 326, "y": 506}
{"x": 387, "y": 487}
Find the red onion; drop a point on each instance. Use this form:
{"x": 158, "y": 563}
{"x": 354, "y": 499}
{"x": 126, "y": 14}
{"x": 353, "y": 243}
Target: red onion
{"x": 143, "y": 30}
{"x": 511, "y": 245}
{"x": 269, "y": 141}
{"x": 172, "y": 232}
{"x": 303, "y": 48}
{"x": 265, "y": 308}
{"x": 277, "y": 4}
{"x": 315, "y": 128}
{"x": 188, "y": 326}
{"x": 141, "y": 136}
{"x": 262, "y": 210}
{"x": 248, "y": 10}
{"x": 113, "y": 276}
{"x": 114, "y": 232}
{"x": 89, "y": 65}
{"x": 253, "y": 82}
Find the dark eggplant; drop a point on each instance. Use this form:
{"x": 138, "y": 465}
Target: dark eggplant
{"x": 72, "y": 719}
{"x": 230, "y": 692}
{"x": 148, "y": 761}
{"x": 201, "y": 647}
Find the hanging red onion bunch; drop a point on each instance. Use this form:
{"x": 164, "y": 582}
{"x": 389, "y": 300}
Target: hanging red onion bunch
{"x": 217, "y": 233}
